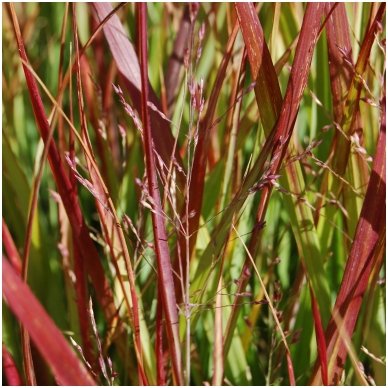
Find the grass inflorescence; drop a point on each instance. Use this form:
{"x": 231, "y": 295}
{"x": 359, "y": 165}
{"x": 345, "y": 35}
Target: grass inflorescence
{"x": 194, "y": 193}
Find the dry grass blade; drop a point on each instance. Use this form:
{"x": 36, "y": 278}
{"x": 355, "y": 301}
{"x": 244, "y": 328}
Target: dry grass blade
{"x": 67, "y": 368}
{"x": 218, "y": 354}
{"x": 158, "y": 221}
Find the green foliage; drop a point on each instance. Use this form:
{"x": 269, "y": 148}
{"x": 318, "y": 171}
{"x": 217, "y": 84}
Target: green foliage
{"x": 294, "y": 191}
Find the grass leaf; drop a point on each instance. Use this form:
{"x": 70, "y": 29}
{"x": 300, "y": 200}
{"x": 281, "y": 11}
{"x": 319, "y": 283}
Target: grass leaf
{"x": 67, "y": 368}
{"x": 158, "y": 221}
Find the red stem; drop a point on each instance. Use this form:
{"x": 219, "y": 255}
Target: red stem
{"x": 162, "y": 251}
{"x": 10, "y": 370}
{"x": 72, "y": 207}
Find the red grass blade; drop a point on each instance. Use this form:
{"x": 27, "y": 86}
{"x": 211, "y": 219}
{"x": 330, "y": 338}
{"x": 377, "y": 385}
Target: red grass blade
{"x": 363, "y": 257}
{"x": 159, "y": 229}
{"x": 370, "y": 229}
{"x": 79, "y": 265}
{"x": 66, "y": 367}
{"x": 340, "y": 67}
{"x": 11, "y": 250}
{"x": 277, "y": 141}
{"x": 112, "y": 232}
{"x": 263, "y": 71}
{"x": 320, "y": 336}
{"x": 176, "y": 59}
{"x": 160, "y": 371}
{"x": 338, "y": 42}
{"x": 10, "y": 370}
{"x": 353, "y": 97}
{"x": 19, "y": 266}
{"x": 197, "y": 180}
{"x": 80, "y": 230}
{"x": 91, "y": 99}
{"x": 290, "y": 369}
{"x": 299, "y": 74}
{"x": 128, "y": 65}
{"x": 270, "y": 102}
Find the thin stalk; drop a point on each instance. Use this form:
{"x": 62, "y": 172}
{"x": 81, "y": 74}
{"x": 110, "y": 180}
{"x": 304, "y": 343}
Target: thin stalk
{"x": 340, "y": 160}
{"x": 61, "y": 135}
{"x": 159, "y": 229}
{"x": 110, "y": 227}
{"x": 127, "y": 62}
{"x": 218, "y": 354}
{"x": 160, "y": 369}
{"x": 275, "y": 145}
{"x": 273, "y": 310}
{"x": 79, "y": 266}
{"x": 200, "y": 156}
{"x": 87, "y": 248}
{"x": 364, "y": 256}
{"x": 28, "y": 362}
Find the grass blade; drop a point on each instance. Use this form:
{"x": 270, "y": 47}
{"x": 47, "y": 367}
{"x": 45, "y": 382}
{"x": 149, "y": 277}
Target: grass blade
{"x": 20, "y": 269}
{"x": 160, "y": 368}
{"x": 110, "y": 223}
{"x": 276, "y": 142}
{"x": 341, "y": 71}
{"x": 128, "y": 65}
{"x": 80, "y": 230}
{"x": 273, "y": 311}
{"x": 175, "y": 61}
{"x": 197, "y": 174}
{"x": 159, "y": 228}
{"x": 218, "y": 354}
{"x": 340, "y": 159}
{"x": 269, "y": 100}
{"x": 170, "y": 125}
{"x": 320, "y": 336}
{"x": 370, "y": 234}
{"x": 10, "y": 248}
{"x": 10, "y": 370}
{"x": 66, "y": 367}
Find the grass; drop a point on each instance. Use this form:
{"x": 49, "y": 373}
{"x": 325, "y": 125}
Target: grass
{"x": 194, "y": 194}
